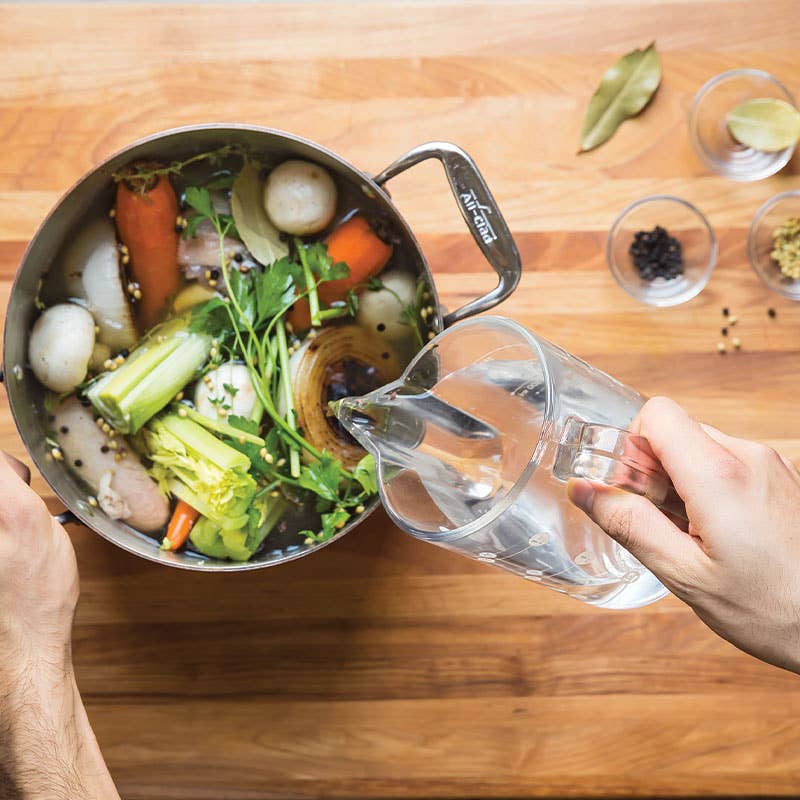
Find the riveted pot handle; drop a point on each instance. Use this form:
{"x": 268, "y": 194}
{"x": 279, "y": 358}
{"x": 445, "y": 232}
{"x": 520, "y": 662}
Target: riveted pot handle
{"x": 480, "y": 212}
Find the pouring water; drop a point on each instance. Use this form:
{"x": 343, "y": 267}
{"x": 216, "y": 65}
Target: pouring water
{"x": 474, "y": 443}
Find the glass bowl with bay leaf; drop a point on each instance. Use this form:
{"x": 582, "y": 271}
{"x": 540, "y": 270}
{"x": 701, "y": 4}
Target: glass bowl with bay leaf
{"x": 712, "y": 129}
{"x": 661, "y": 250}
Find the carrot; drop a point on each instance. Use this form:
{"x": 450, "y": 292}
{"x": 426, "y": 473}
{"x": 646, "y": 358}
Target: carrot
{"x": 180, "y": 526}
{"x": 146, "y": 225}
{"x": 355, "y": 243}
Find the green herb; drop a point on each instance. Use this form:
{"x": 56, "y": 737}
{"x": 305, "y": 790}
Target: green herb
{"x": 322, "y": 477}
{"x": 351, "y": 302}
{"x": 409, "y": 312}
{"x": 365, "y": 473}
{"x": 249, "y": 324}
{"x": 624, "y": 91}
{"x": 145, "y": 174}
{"x": 332, "y": 523}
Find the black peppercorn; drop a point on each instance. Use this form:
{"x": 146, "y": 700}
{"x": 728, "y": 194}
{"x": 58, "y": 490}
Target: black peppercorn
{"x": 656, "y": 254}
{"x": 772, "y": 313}
{"x": 725, "y": 311}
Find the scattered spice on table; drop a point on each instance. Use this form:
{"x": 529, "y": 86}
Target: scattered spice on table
{"x": 656, "y": 254}
{"x": 772, "y": 313}
{"x": 786, "y": 247}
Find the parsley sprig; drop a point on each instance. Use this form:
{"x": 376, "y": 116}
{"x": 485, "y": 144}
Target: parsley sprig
{"x": 249, "y": 324}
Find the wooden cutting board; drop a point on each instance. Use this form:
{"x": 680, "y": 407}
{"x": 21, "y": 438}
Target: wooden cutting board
{"x": 382, "y": 667}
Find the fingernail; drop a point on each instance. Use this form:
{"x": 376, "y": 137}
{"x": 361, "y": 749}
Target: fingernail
{"x": 581, "y": 493}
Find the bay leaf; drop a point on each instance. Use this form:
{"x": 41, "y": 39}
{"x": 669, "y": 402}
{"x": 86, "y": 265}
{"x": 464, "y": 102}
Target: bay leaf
{"x": 765, "y": 123}
{"x": 259, "y": 235}
{"x": 624, "y": 91}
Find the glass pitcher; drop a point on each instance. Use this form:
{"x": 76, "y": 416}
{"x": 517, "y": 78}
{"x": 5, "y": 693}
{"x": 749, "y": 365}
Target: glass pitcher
{"x": 475, "y": 442}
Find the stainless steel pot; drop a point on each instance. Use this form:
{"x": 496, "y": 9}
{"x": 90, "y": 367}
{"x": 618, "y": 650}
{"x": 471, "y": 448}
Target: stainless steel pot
{"x": 26, "y": 396}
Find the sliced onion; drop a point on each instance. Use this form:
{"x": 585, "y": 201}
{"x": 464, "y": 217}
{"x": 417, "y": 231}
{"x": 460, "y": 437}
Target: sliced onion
{"x": 94, "y": 256}
{"x": 315, "y": 368}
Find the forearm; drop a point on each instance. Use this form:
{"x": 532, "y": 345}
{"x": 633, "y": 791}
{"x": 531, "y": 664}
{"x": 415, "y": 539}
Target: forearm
{"x": 48, "y": 750}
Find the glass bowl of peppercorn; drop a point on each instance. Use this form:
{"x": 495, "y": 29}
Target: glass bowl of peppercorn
{"x": 773, "y": 245}
{"x": 661, "y": 250}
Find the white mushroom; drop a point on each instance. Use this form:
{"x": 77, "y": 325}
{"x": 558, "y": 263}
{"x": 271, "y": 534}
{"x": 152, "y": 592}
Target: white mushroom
{"x": 226, "y": 390}
{"x": 124, "y": 489}
{"x": 380, "y": 312}
{"x": 300, "y": 197}
{"x": 60, "y": 346}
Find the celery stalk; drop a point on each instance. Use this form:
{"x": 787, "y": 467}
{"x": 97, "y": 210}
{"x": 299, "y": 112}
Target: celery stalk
{"x": 183, "y": 492}
{"x": 200, "y": 443}
{"x": 151, "y": 376}
{"x": 221, "y": 427}
{"x": 288, "y": 397}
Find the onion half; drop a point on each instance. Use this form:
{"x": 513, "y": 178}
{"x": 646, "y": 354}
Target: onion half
{"x": 93, "y": 257}
{"x": 340, "y": 361}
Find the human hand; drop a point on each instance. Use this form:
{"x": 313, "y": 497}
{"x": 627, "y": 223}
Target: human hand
{"x": 47, "y": 748}
{"x": 738, "y": 566}
{"x": 38, "y": 578}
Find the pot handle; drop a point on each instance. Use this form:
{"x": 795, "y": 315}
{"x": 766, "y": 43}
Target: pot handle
{"x": 618, "y": 458}
{"x": 65, "y": 517}
{"x": 480, "y": 212}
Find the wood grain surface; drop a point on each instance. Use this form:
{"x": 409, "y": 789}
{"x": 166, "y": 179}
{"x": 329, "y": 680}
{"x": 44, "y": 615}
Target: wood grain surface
{"x": 383, "y": 667}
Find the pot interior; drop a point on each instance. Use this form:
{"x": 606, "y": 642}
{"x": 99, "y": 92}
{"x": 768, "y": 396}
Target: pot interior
{"x": 92, "y": 194}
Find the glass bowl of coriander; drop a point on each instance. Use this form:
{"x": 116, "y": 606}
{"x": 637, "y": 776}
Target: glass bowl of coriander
{"x": 773, "y": 244}
{"x": 661, "y": 250}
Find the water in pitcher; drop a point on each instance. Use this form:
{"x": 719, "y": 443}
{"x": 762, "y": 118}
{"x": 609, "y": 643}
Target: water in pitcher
{"x": 467, "y": 463}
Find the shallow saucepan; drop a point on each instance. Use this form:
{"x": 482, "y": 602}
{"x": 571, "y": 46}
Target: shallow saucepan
{"x": 26, "y": 396}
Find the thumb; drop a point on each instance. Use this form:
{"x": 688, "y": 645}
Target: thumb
{"x": 636, "y": 524}
{"x": 22, "y": 471}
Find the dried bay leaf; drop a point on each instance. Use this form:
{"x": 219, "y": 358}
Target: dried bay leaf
{"x": 623, "y": 92}
{"x": 259, "y": 235}
{"x": 765, "y": 123}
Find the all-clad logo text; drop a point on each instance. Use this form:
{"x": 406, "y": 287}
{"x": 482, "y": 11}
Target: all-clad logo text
{"x": 480, "y": 216}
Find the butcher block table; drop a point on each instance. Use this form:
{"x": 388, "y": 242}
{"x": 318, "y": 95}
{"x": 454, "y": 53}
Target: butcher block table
{"x": 382, "y": 666}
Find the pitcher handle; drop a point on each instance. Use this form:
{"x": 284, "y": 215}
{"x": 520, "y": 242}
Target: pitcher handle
{"x": 615, "y": 457}
{"x": 480, "y": 212}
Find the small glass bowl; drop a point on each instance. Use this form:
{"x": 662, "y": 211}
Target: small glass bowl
{"x": 760, "y": 242}
{"x": 681, "y": 220}
{"x": 708, "y": 128}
